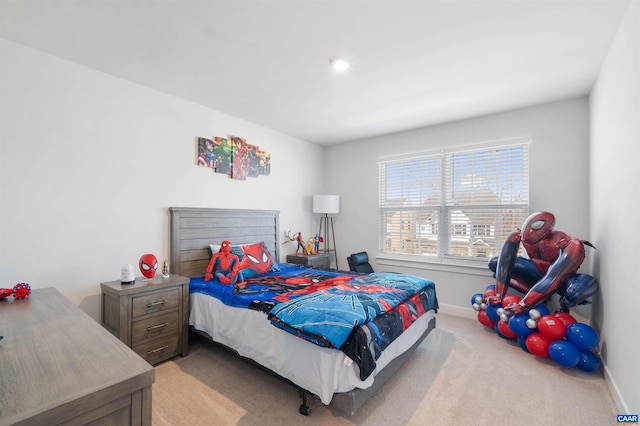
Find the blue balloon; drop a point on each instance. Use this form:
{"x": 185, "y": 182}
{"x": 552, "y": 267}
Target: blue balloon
{"x": 583, "y": 336}
{"x": 473, "y": 298}
{"x": 542, "y": 308}
{"x": 564, "y": 353}
{"x": 578, "y": 288}
{"x": 491, "y": 312}
{"x": 518, "y": 323}
{"x": 588, "y": 361}
{"x": 490, "y": 287}
{"x": 522, "y": 341}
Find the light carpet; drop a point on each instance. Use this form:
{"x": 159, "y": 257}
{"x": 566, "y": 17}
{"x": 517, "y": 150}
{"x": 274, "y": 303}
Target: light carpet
{"x": 462, "y": 374}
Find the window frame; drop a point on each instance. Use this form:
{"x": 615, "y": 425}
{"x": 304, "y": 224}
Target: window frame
{"x": 444, "y": 235}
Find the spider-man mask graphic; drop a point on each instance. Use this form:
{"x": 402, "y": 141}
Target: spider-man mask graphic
{"x": 256, "y": 257}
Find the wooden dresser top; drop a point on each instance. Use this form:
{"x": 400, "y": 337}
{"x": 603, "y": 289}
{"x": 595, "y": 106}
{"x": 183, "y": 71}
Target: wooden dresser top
{"x": 54, "y": 354}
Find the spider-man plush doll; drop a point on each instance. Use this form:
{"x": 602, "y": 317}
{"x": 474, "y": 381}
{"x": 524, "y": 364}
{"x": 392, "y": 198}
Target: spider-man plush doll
{"x": 224, "y": 265}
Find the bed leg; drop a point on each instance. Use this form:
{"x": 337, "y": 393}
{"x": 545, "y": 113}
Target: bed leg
{"x": 304, "y": 408}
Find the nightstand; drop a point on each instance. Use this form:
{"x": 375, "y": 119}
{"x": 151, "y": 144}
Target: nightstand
{"x": 149, "y": 316}
{"x": 320, "y": 260}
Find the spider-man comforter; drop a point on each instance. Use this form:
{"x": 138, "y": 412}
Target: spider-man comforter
{"x": 360, "y": 315}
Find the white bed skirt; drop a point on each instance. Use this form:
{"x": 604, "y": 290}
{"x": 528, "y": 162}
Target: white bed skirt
{"x": 318, "y": 370}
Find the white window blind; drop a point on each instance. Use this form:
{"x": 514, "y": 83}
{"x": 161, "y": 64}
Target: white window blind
{"x": 453, "y": 203}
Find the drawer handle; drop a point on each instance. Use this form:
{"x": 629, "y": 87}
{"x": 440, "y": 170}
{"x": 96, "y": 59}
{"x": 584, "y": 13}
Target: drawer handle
{"x": 160, "y": 349}
{"x": 153, "y": 327}
{"x": 162, "y": 302}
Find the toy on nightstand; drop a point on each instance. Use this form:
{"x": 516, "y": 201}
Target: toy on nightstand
{"x": 165, "y": 269}
{"x": 311, "y": 246}
{"x": 148, "y": 265}
{"x": 300, "y": 244}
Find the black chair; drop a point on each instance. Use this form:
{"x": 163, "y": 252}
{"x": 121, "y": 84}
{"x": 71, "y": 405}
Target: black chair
{"x": 359, "y": 262}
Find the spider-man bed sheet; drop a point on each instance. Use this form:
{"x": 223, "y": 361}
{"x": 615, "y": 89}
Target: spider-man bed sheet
{"x": 357, "y": 314}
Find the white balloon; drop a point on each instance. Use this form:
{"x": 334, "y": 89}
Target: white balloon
{"x": 534, "y": 314}
{"x": 531, "y": 323}
{"x": 476, "y": 307}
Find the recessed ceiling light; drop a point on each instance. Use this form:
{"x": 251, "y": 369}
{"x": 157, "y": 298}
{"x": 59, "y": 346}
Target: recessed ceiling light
{"x": 339, "y": 65}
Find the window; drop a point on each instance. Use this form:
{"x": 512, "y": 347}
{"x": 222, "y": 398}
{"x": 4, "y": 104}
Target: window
{"x": 453, "y": 204}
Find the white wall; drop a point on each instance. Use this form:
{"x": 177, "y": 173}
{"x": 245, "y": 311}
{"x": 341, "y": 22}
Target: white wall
{"x": 614, "y": 206}
{"x": 90, "y": 164}
{"x": 558, "y": 182}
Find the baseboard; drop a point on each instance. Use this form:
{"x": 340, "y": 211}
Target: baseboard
{"x": 622, "y": 407}
{"x": 457, "y": 311}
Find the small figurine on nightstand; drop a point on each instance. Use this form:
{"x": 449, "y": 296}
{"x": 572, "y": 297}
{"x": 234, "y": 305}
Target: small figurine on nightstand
{"x": 165, "y": 269}
{"x": 311, "y": 246}
{"x": 300, "y": 244}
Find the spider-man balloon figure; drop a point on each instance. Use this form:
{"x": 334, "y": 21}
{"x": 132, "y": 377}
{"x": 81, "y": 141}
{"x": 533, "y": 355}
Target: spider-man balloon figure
{"x": 554, "y": 258}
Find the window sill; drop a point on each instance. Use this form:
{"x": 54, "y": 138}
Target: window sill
{"x": 458, "y": 266}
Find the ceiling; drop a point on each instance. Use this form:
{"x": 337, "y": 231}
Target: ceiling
{"x": 413, "y": 63}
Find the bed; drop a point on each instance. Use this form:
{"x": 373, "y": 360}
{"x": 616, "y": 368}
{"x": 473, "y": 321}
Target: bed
{"x": 342, "y": 370}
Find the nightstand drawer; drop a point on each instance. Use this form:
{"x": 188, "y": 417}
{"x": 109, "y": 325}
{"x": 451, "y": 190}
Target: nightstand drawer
{"x": 156, "y": 326}
{"x": 158, "y": 350}
{"x": 156, "y": 302}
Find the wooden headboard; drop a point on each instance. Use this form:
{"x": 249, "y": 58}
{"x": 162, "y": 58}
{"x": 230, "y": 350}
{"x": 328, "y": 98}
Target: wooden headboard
{"x": 193, "y": 229}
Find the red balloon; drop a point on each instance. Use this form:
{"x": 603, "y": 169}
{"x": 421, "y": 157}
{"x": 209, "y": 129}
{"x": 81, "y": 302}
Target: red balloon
{"x": 508, "y": 300}
{"x": 506, "y": 330}
{"x": 484, "y": 318}
{"x": 489, "y": 292}
{"x": 565, "y": 318}
{"x": 537, "y": 344}
{"x": 551, "y": 327}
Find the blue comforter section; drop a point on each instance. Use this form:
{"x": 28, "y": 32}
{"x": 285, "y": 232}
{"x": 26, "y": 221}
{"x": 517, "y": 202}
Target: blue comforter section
{"x": 264, "y": 289}
{"x": 327, "y": 316}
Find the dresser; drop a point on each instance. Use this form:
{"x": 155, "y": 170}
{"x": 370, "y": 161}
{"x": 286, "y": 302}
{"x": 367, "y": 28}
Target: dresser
{"x": 59, "y": 366}
{"x": 320, "y": 260}
{"x": 149, "y": 316}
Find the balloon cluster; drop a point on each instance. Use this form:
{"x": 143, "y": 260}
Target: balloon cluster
{"x": 558, "y": 336}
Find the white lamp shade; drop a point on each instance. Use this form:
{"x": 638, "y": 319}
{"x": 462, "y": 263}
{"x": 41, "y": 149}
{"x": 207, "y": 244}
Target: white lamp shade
{"x": 326, "y": 204}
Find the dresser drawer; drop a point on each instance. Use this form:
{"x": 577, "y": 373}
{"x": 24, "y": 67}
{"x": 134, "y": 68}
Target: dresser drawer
{"x": 156, "y": 302}
{"x": 156, "y": 326}
{"x": 158, "y": 350}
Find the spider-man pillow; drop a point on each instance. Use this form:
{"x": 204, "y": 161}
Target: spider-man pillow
{"x": 255, "y": 258}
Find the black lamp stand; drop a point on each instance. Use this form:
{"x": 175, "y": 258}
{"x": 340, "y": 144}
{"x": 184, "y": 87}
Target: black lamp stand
{"x": 328, "y": 221}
